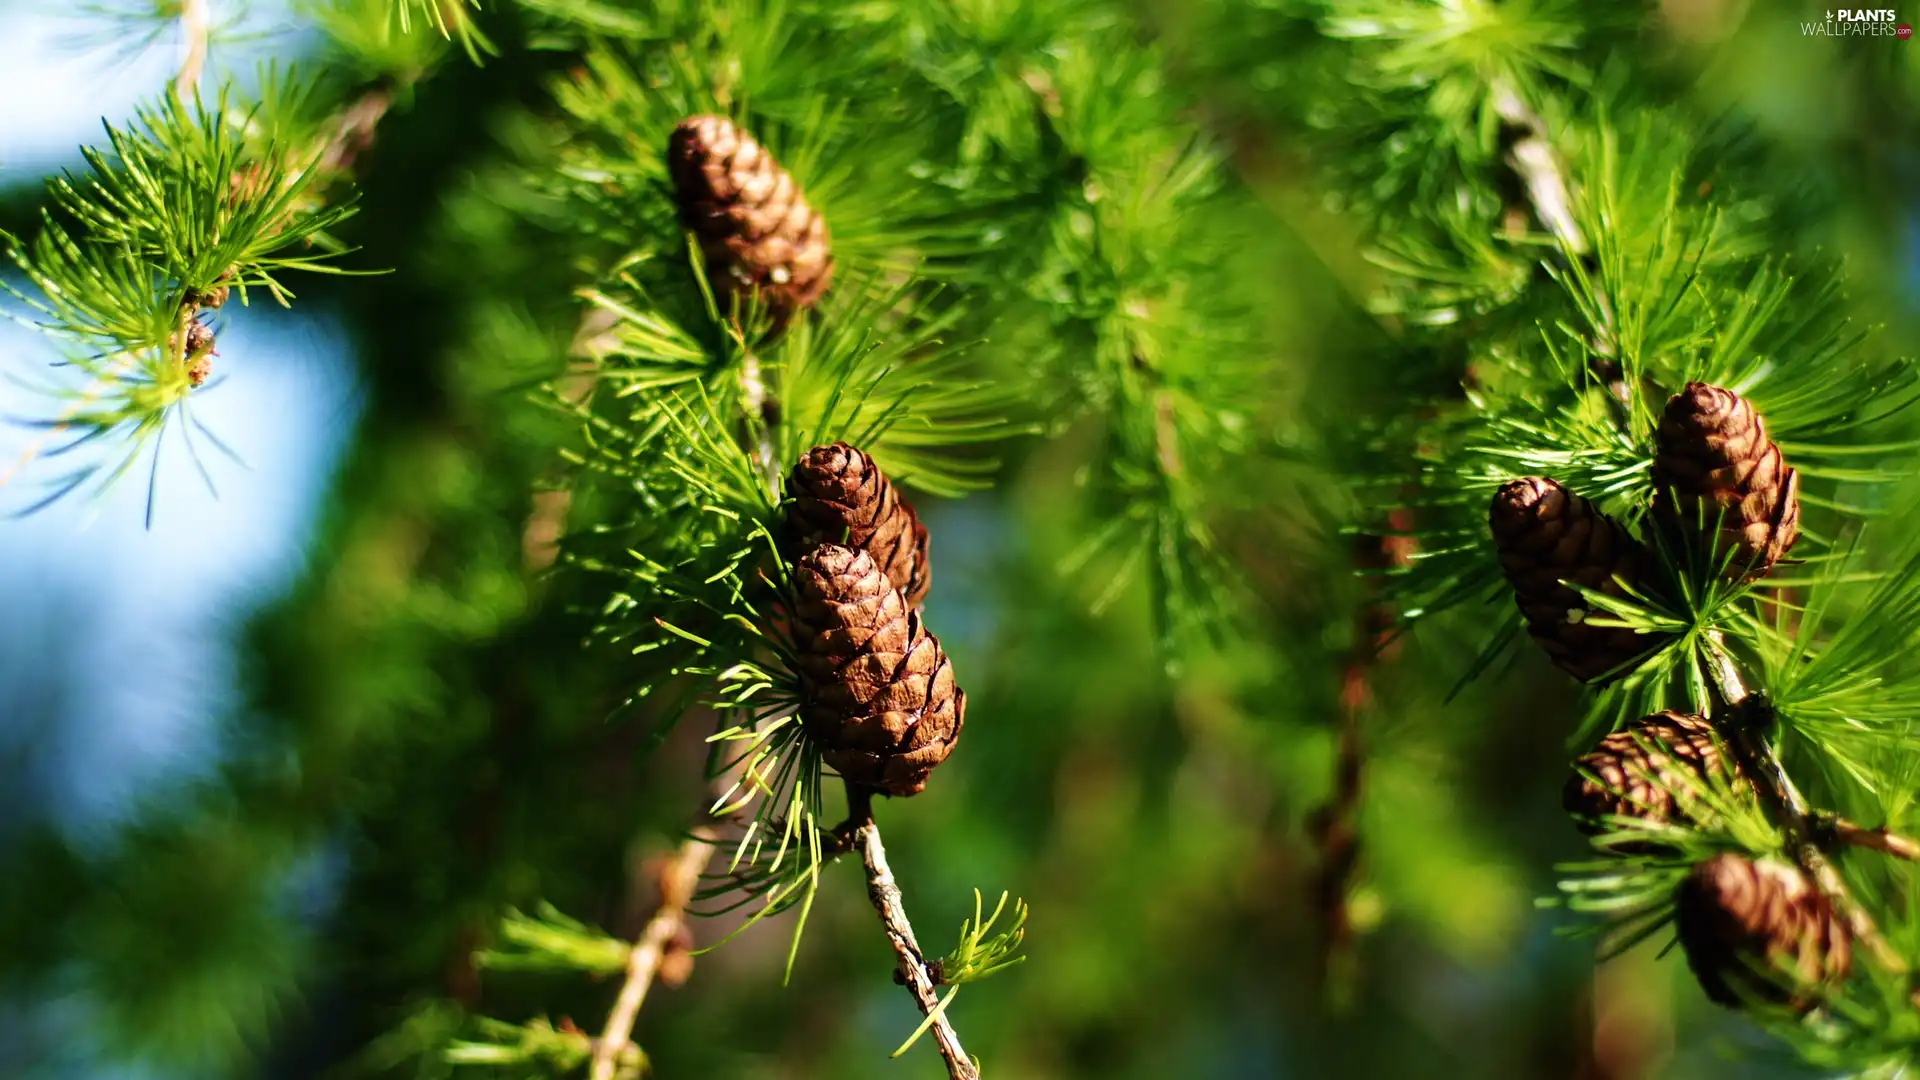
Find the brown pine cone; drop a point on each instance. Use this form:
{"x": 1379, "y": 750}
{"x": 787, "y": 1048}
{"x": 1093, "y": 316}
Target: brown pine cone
{"x": 879, "y": 692}
{"x": 758, "y": 233}
{"x": 1649, "y": 770}
{"x": 1546, "y": 535}
{"x": 199, "y": 351}
{"x": 1715, "y": 468}
{"x": 1759, "y": 931}
{"x": 199, "y": 339}
{"x": 839, "y": 496}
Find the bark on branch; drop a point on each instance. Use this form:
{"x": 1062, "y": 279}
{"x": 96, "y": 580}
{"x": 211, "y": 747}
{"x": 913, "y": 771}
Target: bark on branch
{"x": 919, "y": 976}
{"x": 1532, "y": 157}
{"x": 1846, "y": 832}
{"x": 678, "y": 880}
{"x": 196, "y": 27}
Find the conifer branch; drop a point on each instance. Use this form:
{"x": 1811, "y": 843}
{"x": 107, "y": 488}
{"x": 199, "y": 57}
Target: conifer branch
{"x": 190, "y": 200}
{"x": 1336, "y": 825}
{"x": 920, "y": 977}
{"x": 196, "y": 27}
{"x": 1740, "y": 728}
{"x": 679, "y": 879}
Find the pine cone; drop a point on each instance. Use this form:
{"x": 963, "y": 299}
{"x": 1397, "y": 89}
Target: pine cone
{"x": 1715, "y": 467}
{"x": 199, "y": 338}
{"x": 199, "y": 351}
{"x": 1547, "y": 534}
{"x": 758, "y": 233}
{"x": 1760, "y": 931}
{"x": 839, "y": 496}
{"x": 879, "y": 693}
{"x": 1647, "y": 770}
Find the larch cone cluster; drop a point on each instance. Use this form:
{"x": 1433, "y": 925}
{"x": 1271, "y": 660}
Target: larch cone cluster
{"x": 1756, "y": 931}
{"x": 1722, "y": 491}
{"x": 760, "y": 237}
{"x": 879, "y": 696}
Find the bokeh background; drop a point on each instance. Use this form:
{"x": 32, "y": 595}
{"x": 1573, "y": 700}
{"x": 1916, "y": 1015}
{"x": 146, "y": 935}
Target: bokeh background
{"x": 266, "y": 764}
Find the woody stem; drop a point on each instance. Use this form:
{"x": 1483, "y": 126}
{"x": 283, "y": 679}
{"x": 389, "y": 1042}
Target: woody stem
{"x": 1842, "y": 831}
{"x": 196, "y": 26}
{"x": 678, "y": 880}
{"x": 1739, "y": 725}
{"x": 914, "y": 970}
{"x": 761, "y": 411}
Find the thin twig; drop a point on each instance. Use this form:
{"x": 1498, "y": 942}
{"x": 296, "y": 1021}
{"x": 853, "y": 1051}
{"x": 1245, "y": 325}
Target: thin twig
{"x": 678, "y": 879}
{"x": 762, "y": 414}
{"x": 351, "y": 131}
{"x": 196, "y": 26}
{"x": 918, "y": 975}
{"x": 1335, "y": 824}
{"x": 1776, "y": 790}
{"x": 1846, "y": 832}
{"x": 1534, "y": 159}
{"x": 1543, "y": 174}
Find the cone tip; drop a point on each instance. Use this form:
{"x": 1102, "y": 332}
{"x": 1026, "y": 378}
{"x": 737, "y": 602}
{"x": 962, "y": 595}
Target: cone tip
{"x": 829, "y": 452}
{"x": 701, "y": 123}
{"x": 827, "y": 465}
{"x": 1517, "y": 498}
{"x": 1701, "y": 399}
{"x": 837, "y": 561}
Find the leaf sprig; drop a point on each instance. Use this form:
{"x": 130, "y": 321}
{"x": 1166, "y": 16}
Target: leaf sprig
{"x": 177, "y": 204}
